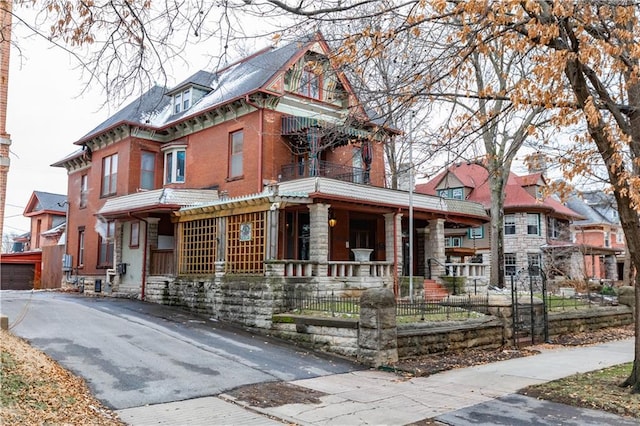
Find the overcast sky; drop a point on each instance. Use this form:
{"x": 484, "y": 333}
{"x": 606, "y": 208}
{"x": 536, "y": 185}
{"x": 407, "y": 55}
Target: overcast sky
{"x": 46, "y": 114}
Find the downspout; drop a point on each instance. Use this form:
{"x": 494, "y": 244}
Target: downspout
{"x": 144, "y": 255}
{"x": 260, "y": 133}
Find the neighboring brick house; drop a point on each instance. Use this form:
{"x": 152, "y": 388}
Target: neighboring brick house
{"x": 598, "y": 235}
{"x": 27, "y": 267}
{"x": 536, "y": 228}
{"x": 265, "y": 174}
{"x": 47, "y": 213}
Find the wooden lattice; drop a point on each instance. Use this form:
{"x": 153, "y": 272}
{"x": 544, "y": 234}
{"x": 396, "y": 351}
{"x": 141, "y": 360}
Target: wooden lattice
{"x": 198, "y": 245}
{"x": 246, "y": 245}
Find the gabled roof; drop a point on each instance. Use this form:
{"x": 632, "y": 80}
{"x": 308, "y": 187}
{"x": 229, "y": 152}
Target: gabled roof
{"x": 46, "y": 202}
{"x": 590, "y": 214}
{"x": 475, "y": 177}
{"x": 249, "y": 75}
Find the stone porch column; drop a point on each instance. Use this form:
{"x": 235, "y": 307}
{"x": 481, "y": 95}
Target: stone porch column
{"x": 434, "y": 247}
{"x": 319, "y": 238}
{"x": 393, "y": 239}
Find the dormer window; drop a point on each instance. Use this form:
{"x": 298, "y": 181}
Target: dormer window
{"x": 182, "y": 101}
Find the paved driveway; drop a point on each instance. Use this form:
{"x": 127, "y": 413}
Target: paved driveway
{"x": 133, "y": 353}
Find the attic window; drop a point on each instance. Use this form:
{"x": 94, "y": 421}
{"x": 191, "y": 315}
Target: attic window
{"x": 182, "y": 101}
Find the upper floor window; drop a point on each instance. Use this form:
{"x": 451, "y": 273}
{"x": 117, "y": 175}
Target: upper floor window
{"x": 310, "y": 84}
{"x": 607, "y": 239}
{"x": 236, "y": 142}
{"x": 509, "y": 224}
{"x": 109, "y": 175}
{"x": 533, "y": 224}
{"x": 455, "y": 193}
{"x": 453, "y": 242}
{"x": 182, "y": 101}
{"x": 476, "y": 233}
{"x": 174, "y": 164}
{"x": 147, "y": 170}
{"x": 84, "y": 190}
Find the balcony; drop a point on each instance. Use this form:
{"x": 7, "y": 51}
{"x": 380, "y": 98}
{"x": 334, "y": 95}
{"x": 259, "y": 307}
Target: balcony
{"x": 319, "y": 168}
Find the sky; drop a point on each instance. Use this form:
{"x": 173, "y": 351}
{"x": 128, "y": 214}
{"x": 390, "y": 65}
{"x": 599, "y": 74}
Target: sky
{"x": 45, "y": 115}
{"x": 47, "y": 112}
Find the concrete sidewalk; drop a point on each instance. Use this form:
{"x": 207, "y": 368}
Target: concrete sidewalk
{"x": 476, "y": 395}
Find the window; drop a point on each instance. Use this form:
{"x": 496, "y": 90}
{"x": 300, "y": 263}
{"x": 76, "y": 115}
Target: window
{"x": 105, "y": 245}
{"x": 310, "y": 84}
{"x": 607, "y": 240}
{"x": 147, "y": 170}
{"x": 509, "y": 224}
{"x": 476, "y": 233}
{"x": 182, "y": 101}
{"x": 455, "y": 193}
{"x": 533, "y": 224}
{"x": 134, "y": 236}
{"x": 174, "y": 164}
{"x": 553, "y": 228}
{"x": 109, "y": 175}
{"x": 84, "y": 190}
{"x": 80, "y": 246}
{"x": 453, "y": 242}
{"x": 235, "y": 154}
{"x": 509, "y": 264}
{"x": 533, "y": 264}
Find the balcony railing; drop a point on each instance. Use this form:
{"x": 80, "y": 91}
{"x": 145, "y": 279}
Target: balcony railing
{"x": 326, "y": 169}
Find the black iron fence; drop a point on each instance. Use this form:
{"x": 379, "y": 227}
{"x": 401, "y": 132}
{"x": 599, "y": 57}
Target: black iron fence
{"x": 450, "y": 308}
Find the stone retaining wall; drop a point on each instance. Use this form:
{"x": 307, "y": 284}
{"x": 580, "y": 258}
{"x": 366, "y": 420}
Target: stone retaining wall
{"x": 335, "y": 335}
{"x": 245, "y": 300}
{"x": 562, "y": 323}
{"x": 423, "y": 339}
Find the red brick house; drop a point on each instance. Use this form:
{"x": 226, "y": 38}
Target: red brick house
{"x": 536, "y": 227}
{"x": 261, "y": 177}
{"x": 28, "y": 269}
{"x": 599, "y": 236}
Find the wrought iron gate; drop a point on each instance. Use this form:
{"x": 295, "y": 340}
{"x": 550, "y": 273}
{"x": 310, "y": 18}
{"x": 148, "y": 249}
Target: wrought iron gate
{"x": 530, "y": 319}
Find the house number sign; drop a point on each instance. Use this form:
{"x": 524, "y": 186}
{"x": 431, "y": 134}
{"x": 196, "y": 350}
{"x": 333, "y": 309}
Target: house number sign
{"x": 245, "y": 231}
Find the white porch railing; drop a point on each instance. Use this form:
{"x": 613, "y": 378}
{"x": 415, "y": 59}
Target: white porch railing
{"x": 305, "y": 268}
{"x": 469, "y": 270}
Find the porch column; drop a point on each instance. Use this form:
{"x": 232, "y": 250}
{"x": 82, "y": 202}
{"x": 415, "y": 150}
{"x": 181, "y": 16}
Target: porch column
{"x": 272, "y": 236}
{"x": 221, "y": 249}
{"x": 118, "y": 241}
{"x": 319, "y": 238}
{"x": 434, "y": 247}
{"x": 393, "y": 239}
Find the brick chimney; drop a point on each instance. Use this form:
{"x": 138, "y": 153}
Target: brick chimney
{"x": 5, "y": 139}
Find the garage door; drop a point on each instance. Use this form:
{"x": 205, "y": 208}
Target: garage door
{"x": 16, "y": 277}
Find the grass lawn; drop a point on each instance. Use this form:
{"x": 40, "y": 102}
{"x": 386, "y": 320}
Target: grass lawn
{"x": 598, "y": 390}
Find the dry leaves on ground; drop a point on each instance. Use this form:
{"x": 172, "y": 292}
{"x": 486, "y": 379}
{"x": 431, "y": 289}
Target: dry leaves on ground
{"x": 37, "y": 391}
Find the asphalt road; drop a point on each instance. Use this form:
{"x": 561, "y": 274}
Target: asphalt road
{"x": 133, "y": 353}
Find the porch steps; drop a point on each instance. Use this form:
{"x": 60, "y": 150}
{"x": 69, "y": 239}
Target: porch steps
{"x": 434, "y": 292}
